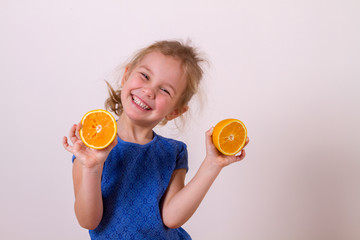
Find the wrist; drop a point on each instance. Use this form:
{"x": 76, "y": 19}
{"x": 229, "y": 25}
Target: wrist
{"x": 212, "y": 164}
{"x": 93, "y": 169}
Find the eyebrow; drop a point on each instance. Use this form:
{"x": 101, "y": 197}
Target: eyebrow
{"x": 146, "y": 68}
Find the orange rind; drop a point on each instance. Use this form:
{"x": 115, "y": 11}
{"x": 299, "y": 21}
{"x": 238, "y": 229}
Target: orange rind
{"x": 229, "y": 136}
{"x": 98, "y": 129}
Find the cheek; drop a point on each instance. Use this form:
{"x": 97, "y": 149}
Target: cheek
{"x": 125, "y": 92}
{"x": 165, "y": 103}
{"x": 123, "y": 97}
{"x": 130, "y": 85}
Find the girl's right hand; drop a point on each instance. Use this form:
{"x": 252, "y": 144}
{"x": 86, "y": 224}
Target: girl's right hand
{"x": 88, "y": 157}
{"x": 218, "y": 158}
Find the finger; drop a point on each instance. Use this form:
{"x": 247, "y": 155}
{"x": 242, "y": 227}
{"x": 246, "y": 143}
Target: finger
{"x": 72, "y": 134}
{"x": 78, "y": 128}
{"x": 208, "y": 135}
{"x": 210, "y": 131}
{"x": 242, "y": 155}
{"x": 65, "y": 142}
{"x": 66, "y": 145}
{"x": 247, "y": 141}
{"x": 113, "y": 144}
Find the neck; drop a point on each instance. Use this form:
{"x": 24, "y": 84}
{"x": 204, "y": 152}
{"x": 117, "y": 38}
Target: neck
{"x": 128, "y": 131}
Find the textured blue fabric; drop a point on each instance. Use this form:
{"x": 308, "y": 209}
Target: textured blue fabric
{"x": 134, "y": 179}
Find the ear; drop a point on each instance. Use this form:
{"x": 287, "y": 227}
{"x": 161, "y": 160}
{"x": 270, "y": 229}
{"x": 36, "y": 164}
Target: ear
{"x": 125, "y": 76}
{"x": 176, "y": 113}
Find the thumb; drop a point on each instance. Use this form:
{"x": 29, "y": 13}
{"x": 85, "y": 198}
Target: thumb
{"x": 208, "y": 134}
{"x": 114, "y": 143}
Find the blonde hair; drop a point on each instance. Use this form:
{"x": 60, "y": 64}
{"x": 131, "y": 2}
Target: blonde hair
{"x": 190, "y": 62}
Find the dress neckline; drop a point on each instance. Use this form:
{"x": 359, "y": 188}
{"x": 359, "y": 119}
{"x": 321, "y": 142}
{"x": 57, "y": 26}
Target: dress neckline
{"x": 155, "y": 137}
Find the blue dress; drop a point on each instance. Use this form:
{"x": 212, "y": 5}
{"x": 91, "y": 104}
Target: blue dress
{"x": 134, "y": 179}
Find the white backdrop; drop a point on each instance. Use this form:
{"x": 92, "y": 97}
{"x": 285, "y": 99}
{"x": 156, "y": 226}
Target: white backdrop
{"x": 288, "y": 69}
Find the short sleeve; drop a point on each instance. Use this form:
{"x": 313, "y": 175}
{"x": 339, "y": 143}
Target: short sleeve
{"x": 182, "y": 158}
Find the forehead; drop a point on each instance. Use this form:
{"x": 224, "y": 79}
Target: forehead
{"x": 156, "y": 59}
{"x": 163, "y": 67}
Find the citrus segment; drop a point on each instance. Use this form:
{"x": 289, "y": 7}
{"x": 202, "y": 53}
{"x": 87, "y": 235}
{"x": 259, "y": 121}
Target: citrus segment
{"x": 98, "y": 129}
{"x": 229, "y": 136}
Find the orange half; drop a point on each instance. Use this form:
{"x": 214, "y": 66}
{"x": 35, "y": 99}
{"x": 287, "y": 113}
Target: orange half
{"x": 98, "y": 129}
{"x": 229, "y": 136}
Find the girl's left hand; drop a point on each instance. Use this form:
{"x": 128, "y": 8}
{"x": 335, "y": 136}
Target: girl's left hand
{"x": 220, "y": 159}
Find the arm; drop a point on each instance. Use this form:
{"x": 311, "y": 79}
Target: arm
{"x": 180, "y": 202}
{"x": 87, "y": 171}
{"x": 88, "y": 199}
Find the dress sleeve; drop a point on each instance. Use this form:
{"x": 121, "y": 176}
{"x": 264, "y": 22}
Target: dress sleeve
{"x": 182, "y": 158}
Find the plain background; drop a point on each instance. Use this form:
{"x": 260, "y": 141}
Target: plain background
{"x": 288, "y": 69}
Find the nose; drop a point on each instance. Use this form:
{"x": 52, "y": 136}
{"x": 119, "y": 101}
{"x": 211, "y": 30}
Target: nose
{"x": 149, "y": 92}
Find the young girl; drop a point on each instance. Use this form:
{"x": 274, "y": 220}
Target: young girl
{"x": 134, "y": 188}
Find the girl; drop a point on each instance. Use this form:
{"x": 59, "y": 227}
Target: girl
{"x": 134, "y": 188}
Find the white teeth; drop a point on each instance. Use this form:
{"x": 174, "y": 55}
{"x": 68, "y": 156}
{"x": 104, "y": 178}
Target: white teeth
{"x": 140, "y": 104}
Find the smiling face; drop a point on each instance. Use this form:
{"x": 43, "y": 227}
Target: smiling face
{"x": 151, "y": 91}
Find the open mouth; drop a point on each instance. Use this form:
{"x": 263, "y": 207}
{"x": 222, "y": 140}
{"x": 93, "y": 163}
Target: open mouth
{"x": 138, "y": 102}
